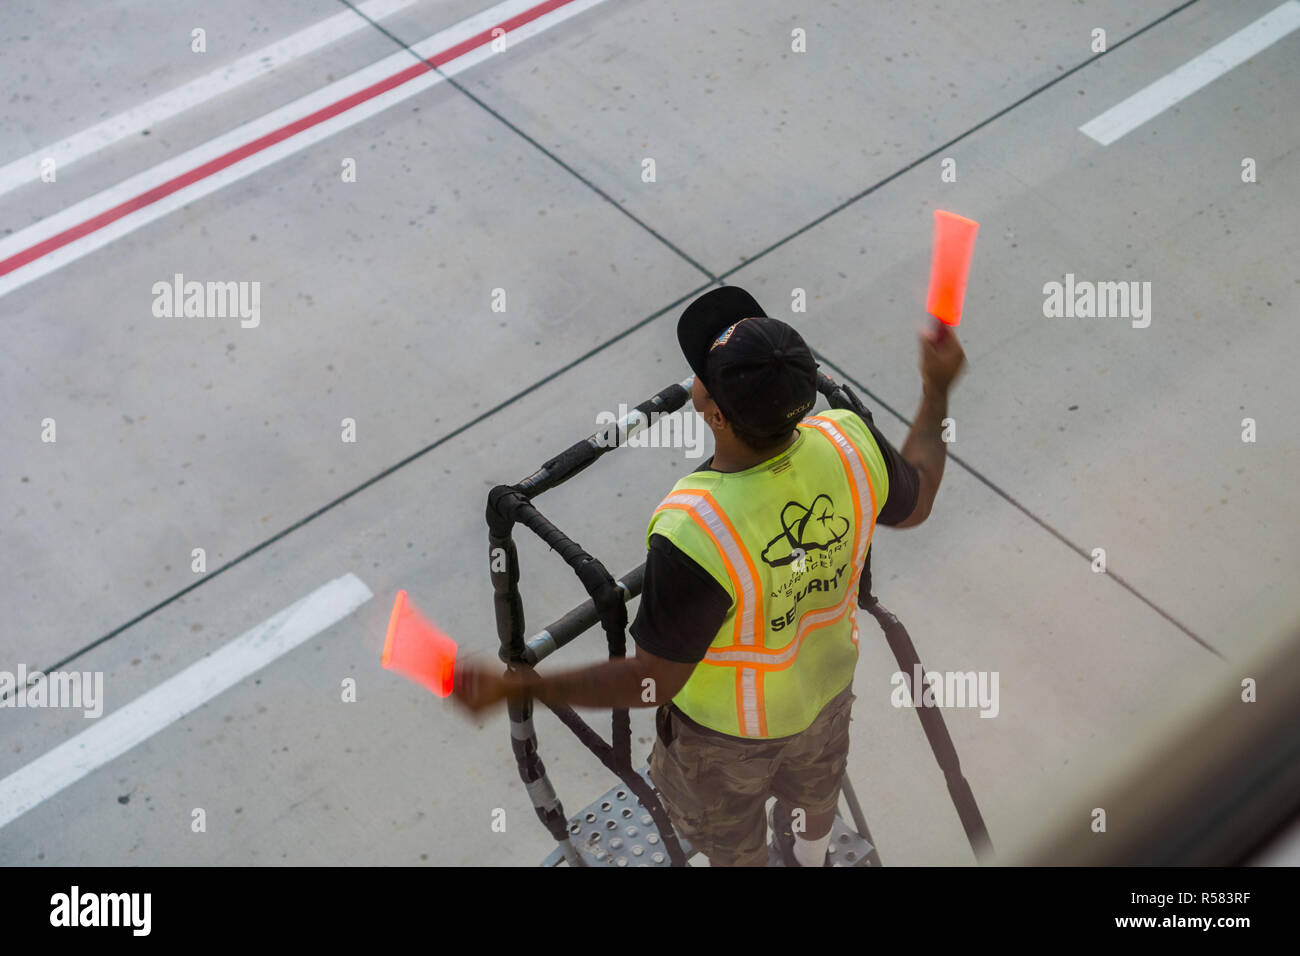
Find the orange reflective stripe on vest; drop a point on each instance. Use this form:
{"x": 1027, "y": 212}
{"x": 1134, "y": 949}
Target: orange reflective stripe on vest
{"x": 858, "y": 476}
{"x": 748, "y": 653}
{"x": 748, "y": 590}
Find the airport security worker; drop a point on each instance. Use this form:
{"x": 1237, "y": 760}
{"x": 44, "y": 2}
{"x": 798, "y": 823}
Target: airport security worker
{"x": 747, "y": 625}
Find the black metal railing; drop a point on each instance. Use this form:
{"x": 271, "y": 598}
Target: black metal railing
{"x": 511, "y": 505}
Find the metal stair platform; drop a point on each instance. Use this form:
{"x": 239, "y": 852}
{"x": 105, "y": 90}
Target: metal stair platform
{"x": 616, "y": 830}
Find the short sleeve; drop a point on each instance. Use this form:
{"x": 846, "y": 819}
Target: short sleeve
{"x": 904, "y": 482}
{"x": 682, "y": 606}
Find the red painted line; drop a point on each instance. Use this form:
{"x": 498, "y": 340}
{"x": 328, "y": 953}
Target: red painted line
{"x": 213, "y": 166}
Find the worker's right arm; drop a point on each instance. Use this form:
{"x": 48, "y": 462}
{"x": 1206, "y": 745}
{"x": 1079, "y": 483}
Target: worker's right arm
{"x": 682, "y": 607}
{"x": 942, "y": 360}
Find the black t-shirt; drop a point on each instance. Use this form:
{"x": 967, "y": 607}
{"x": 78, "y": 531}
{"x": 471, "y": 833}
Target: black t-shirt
{"x": 682, "y": 606}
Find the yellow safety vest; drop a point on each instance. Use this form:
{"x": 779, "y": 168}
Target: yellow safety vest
{"x": 787, "y": 539}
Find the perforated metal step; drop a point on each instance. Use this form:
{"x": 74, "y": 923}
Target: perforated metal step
{"x": 616, "y": 830}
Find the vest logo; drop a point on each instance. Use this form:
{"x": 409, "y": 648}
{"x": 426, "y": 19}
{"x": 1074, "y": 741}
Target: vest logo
{"x": 815, "y": 527}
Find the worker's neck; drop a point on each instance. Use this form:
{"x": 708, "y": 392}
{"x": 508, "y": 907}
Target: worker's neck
{"x": 731, "y": 455}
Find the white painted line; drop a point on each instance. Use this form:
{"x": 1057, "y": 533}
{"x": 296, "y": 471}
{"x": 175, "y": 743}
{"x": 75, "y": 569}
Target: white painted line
{"x": 132, "y": 188}
{"x": 114, "y": 735}
{"x": 132, "y": 122}
{"x": 1174, "y": 87}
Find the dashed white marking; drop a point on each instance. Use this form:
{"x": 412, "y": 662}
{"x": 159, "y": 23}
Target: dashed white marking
{"x": 1173, "y": 88}
{"x": 124, "y": 728}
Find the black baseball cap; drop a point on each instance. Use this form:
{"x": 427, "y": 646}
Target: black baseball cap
{"x": 758, "y": 369}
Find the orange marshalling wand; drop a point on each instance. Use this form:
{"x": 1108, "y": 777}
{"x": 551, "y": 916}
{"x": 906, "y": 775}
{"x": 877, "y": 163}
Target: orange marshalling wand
{"x": 416, "y": 649}
{"x": 954, "y": 242}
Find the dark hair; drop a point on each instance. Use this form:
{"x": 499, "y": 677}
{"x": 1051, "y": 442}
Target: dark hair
{"x": 748, "y": 438}
{"x": 757, "y": 443}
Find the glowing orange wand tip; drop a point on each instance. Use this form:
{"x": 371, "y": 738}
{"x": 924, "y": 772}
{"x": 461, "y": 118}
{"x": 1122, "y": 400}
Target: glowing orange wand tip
{"x": 415, "y": 648}
{"x": 954, "y": 244}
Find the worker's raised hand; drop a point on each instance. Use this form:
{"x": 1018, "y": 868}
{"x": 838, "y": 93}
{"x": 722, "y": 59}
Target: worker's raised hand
{"x": 942, "y": 358}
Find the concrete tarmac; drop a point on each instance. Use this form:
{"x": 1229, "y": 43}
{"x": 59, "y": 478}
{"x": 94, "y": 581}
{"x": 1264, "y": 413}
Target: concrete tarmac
{"x": 523, "y": 175}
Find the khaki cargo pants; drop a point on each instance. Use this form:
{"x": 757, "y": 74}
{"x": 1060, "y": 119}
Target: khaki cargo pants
{"x": 715, "y": 788}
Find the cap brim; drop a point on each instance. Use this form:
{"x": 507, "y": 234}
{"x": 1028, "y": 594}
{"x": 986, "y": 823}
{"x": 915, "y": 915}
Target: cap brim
{"x": 706, "y": 318}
